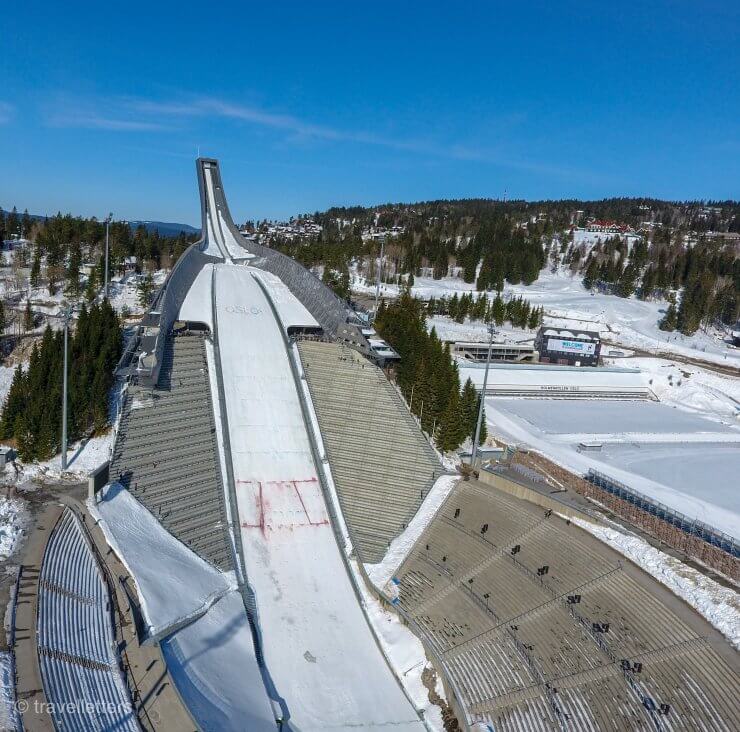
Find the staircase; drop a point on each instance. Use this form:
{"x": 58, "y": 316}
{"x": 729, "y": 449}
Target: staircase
{"x": 382, "y": 464}
{"x": 166, "y": 452}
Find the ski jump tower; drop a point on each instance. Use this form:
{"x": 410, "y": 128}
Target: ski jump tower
{"x": 221, "y": 241}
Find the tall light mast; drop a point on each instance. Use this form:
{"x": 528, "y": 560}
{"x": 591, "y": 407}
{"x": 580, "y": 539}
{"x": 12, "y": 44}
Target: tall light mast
{"x": 380, "y": 268}
{"x": 67, "y": 315}
{"x": 474, "y": 453}
{"x": 107, "y": 238}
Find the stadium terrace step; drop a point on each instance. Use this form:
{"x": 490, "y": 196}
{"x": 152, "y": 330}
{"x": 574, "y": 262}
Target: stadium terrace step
{"x": 523, "y": 656}
{"x": 382, "y": 464}
{"x": 166, "y": 452}
{"x": 75, "y": 636}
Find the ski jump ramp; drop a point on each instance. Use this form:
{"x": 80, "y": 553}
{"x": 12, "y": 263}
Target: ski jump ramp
{"x": 322, "y": 663}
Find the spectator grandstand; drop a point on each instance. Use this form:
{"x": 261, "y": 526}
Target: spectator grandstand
{"x": 541, "y": 628}
{"x": 166, "y": 452}
{"x": 77, "y": 651}
{"x": 382, "y": 464}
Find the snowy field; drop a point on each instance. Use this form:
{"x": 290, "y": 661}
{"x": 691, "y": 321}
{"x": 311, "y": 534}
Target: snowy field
{"x": 681, "y": 459}
{"x": 476, "y": 332}
{"x": 606, "y": 420}
{"x": 123, "y": 292}
{"x": 82, "y": 458}
{"x": 628, "y": 322}
{"x": 692, "y": 388}
{"x": 700, "y": 470}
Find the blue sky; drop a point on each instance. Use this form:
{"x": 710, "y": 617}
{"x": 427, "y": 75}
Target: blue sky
{"x": 103, "y": 105}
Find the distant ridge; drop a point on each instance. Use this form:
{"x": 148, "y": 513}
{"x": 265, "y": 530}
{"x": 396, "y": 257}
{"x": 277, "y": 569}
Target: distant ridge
{"x": 165, "y": 228}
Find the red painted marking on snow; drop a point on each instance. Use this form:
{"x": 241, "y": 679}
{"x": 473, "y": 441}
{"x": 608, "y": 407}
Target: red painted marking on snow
{"x": 294, "y": 483}
{"x": 291, "y": 480}
{"x": 262, "y": 502}
{"x": 259, "y": 502}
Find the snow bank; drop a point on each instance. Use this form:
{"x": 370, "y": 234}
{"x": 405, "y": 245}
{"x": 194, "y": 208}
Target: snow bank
{"x": 717, "y": 604}
{"x": 381, "y": 573}
{"x": 9, "y": 718}
{"x": 123, "y": 292}
{"x": 178, "y": 586}
{"x": 82, "y": 458}
{"x": 13, "y": 519}
{"x": 691, "y": 388}
{"x": 404, "y": 652}
{"x": 213, "y": 665}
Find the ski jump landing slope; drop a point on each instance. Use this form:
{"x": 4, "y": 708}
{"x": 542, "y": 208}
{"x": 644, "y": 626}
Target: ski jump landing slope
{"x": 318, "y": 648}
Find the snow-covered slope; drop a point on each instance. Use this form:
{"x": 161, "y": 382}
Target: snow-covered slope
{"x": 626, "y": 321}
{"x": 176, "y": 588}
{"x": 212, "y": 662}
{"x": 318, "y": 647}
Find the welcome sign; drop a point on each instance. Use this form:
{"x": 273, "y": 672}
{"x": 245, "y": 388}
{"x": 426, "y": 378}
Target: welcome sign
{"x": 558, "y": 344}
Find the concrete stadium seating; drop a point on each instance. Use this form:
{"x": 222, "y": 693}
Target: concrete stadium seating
{"x": 381, "y": 462}
{"x": 525, "y": 658}
{"x": 77, "y": 648}
{"x": 166, "y": 452}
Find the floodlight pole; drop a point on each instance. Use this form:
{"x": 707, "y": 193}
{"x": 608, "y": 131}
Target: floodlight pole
{"x": 67, "y": 315}
{"x": 474, "y": 453}
{"x": 380, "y": 267}
{"x": 107, "y": 238}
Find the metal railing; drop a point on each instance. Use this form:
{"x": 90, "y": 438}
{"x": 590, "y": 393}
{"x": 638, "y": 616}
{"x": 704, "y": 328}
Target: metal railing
{"x": 694, "y": 527}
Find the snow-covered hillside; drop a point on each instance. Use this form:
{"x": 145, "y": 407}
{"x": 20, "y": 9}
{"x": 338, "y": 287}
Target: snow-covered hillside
{"x": 628, "y": 322}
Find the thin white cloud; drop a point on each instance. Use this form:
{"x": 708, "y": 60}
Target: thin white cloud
{"x": 92, "y": 121}
{"x": 7, "y": 111}
{"x": 133, "y": 114}
{"x": 209, "y": 106}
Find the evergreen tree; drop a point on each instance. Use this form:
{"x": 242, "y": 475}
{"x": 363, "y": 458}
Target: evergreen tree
{"x": 452, "y": 426}
{"x": 453, "y": 307}
{"x": 14, "y": 404}
{"x": 469, "y": 406}
{"x": 627, "y": 281}
{"x": 483, "y": 428}
{"x": 592, "y": 273}
{"x": 498, "y": 310}
{"x": 28, "y": 317}
{"x": 670, "y": 319}
{"x": 35, "y": 277}
{"x": 13, "y": 223}
{"x": 145, "y": 288}
{"x": 648, "y": 283}
{"x": 31, "y": 411}
{"x": 26, "y": 224}
{"x": 91, "y": 286}
{"x": 534, "y": 319}
{"x": 73, "y": 269}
